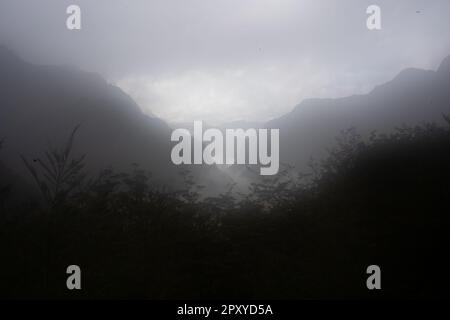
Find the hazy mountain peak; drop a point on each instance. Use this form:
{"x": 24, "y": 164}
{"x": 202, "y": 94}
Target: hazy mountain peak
{"x": 445, "y": 66}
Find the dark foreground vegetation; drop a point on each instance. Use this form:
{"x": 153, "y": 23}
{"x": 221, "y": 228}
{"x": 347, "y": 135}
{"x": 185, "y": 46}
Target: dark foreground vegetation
{"x": 385, "y": 201}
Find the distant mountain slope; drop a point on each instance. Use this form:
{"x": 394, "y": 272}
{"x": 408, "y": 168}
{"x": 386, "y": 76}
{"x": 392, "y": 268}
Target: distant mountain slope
{"x": 412, "y": 97}
{"x": 40, "y": 105}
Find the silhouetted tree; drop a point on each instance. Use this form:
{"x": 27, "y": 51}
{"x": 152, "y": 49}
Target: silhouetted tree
{"x": 58, "y": 174}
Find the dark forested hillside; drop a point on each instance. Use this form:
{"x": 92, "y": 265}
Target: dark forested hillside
{"x": 381, "y": 202}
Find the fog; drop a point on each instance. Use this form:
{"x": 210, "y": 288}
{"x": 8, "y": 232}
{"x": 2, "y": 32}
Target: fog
{"x": 222, "y": 61}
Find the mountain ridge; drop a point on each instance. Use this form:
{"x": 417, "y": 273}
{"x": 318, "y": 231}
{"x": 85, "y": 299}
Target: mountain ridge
{"x": 412, "y": 97}
{"x": 41, "y": 104}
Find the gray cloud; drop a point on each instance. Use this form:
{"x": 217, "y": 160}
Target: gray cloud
{"x": 223, "y": 60}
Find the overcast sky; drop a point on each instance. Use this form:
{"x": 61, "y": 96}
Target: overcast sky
{"x": 225, "y": 60}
